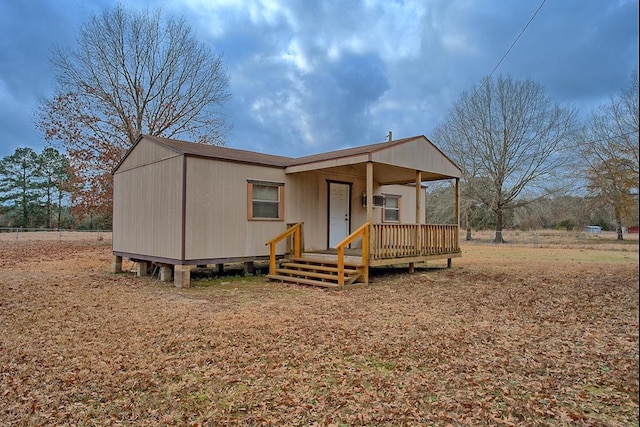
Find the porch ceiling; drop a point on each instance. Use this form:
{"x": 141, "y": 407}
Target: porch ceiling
{"x": 390, "y": 174}
{"x": 394, "y": 162}
{"x": 383, "y": 174}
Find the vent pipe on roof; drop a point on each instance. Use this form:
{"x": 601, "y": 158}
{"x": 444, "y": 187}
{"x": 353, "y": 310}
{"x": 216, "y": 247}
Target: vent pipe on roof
{"x": 390, "y": 136}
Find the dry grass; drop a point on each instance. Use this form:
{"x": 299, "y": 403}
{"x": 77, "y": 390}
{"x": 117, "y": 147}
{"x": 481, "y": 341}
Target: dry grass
{"x": 509, "y": 336}
{"x": 555, "y": 238}
{"x": 16, "y": 235}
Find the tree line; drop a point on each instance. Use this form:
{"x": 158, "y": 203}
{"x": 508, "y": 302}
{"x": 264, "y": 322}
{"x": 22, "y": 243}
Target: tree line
{"x": 554, "y": 212}
{"x": 519, "y": 151}
{"x": 35, "y": 189}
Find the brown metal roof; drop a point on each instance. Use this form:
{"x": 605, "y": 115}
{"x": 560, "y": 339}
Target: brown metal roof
{"x": 252, "y": 157}
{"x": 224, "y": 153}
{"x": 245, "y": 156}
{"x": 347, "y": 152}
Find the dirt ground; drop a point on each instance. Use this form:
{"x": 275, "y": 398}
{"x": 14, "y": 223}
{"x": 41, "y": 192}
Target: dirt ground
{"x": 511, "y": 335}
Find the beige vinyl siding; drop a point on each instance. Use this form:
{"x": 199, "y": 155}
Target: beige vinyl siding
{"x": 407, "y": 194}
{"x": 148, "y": 209}
{"x": 216, "y": 206}
{"x": 417, "y": 155}
{"x": 306, "y": 195}
{"x": 146, "y": 152}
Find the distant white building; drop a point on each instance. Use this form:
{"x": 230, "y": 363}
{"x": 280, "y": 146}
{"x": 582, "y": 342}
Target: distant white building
{"x": 595, "y": 229}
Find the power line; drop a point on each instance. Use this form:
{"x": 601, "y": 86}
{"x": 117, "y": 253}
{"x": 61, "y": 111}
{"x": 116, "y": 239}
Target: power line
{"x": 517, "y": 38}
{"x": 510, "y": 47}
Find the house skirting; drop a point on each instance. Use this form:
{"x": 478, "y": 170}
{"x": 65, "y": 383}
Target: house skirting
{"x": 179, "y": 270}
{"x": 172, "y": 261}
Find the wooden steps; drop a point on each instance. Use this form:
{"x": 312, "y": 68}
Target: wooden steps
{"x": 317, "y": 272}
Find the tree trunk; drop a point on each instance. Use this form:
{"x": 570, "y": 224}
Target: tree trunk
{"x": 499, "y": 220}
{"x": 619, "y": 224}
{"x": 468, "y": 223}
{"x": 59, "y": 208}
{"x": 25, "y": 211}
{"x": 49, "y": 206}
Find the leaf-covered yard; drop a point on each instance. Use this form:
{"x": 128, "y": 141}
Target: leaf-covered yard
{"x": 508, "y": 336}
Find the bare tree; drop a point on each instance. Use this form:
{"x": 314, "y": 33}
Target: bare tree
{"x": 132, "y": 73}
{"x": 510, "y": 141}
{"x": 610, "y": 152}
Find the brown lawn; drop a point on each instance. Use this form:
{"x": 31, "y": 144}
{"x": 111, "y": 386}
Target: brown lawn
{"x": 511, "y": 335}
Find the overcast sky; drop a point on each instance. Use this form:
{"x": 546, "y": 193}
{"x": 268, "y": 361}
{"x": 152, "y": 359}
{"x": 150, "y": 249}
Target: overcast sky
{"x": 309, "y": 76}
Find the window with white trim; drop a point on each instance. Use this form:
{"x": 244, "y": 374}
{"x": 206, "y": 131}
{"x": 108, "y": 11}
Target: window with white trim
{"x": 391, "y": 210}
{"x": 265, "y": 201}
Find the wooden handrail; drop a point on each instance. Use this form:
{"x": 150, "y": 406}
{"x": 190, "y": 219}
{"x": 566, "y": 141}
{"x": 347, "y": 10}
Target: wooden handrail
{"x": 362, "y": 231}
{"x": 411, "y": 240}
{"x": 296, "y": 230}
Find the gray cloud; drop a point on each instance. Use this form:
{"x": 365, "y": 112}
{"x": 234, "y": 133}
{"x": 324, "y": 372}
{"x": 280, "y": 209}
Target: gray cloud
{"x": 314, "y": 76}
{"x": 30, "y": 29}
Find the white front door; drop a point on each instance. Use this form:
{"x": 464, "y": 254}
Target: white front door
{"x": 339, "y": 221}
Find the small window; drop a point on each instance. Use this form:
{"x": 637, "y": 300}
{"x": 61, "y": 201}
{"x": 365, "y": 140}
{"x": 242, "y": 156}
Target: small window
{"x": 265, "y": 201}
{"x": 391, "y": 211}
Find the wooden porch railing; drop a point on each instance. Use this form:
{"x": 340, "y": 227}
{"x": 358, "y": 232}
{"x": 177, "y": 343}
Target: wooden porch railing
{"x": 296, "y": 231}
{"x": 364, "y": 232}
{"x": 409, "y": 240}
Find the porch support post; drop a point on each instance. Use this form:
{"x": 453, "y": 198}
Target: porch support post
{"x": 457, "y": 208}
{"x": 457, "y": 230}
{"x": 369, "y": 240}
{"x": 419, "y": 220}
{"x": 419, "y": 197}
{"x": 370, "y": 191}
{"x": 457, "y": 238}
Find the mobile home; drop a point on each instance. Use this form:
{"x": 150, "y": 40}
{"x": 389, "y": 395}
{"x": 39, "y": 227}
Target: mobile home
{"x": 179, "y": 204}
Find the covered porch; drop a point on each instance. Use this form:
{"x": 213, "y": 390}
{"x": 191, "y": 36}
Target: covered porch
{"x": 374, "y": 242}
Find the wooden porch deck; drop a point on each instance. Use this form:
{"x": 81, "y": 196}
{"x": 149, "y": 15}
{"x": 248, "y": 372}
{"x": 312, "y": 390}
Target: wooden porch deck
{"x": 354, "y": 256}
{"x": 381, "y": 244}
